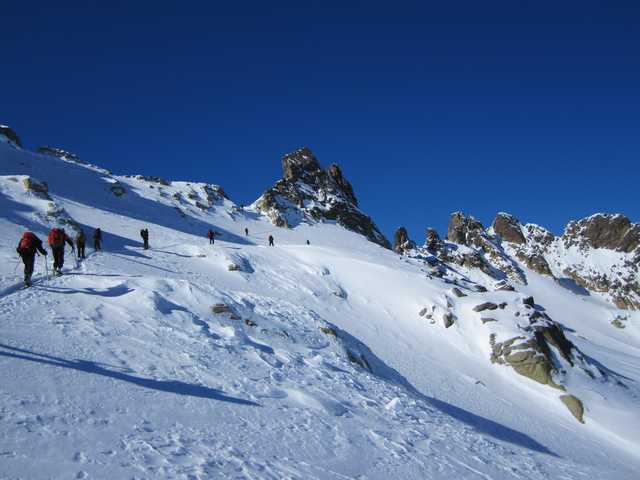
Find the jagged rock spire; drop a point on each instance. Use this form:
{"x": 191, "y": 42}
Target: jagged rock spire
{"x": 310, "y": 193}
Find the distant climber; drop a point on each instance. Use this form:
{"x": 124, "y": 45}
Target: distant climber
{"x": 308, "y": 242}
{"x": 144, "y": 233}
{"x": 27, "y": 247}
{"x": 57, "y": 238}
{"x": 246, "y": 232}
{"x": 97, "y": 239}
{"x": 212, "y": 237}
{"x": 80, "y": 242}
{"x": 271, "y": 240}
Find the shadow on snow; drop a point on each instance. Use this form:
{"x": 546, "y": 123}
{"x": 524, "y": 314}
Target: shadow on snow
{"x": 169, "y": 386}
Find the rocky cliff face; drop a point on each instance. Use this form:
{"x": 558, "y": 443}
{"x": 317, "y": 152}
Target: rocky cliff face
{"x": 598, "y": 254}
{"x": 309, "y": 193}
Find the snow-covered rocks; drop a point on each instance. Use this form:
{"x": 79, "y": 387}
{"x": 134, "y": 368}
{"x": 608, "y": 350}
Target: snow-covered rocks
{"x": 60, "y": 153}
{"x": 311, "y": 194}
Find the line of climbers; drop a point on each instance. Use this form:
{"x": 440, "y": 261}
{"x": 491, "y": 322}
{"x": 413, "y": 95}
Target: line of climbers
{"x": 30, "y": 244}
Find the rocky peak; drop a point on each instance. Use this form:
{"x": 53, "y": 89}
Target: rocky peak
{"x": 508, "y": 228}
{"x": 602, "y": 230}
{"x": 401, "y": 241}
{"x": 464, "y": 229}
{"x": 298, "y": 164}
{"x": 59, "y": 153}
{"x": 307, "y": 192}
{"x": 8, "y": 133}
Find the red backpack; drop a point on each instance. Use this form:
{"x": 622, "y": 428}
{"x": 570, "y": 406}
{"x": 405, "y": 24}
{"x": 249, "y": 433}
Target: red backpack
{"x": 56, "y": 237}
{"x": 28, "y": 242}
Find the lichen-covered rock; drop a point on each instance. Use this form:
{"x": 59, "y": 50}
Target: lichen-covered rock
{"x": 508, "y": 228}
{"x": 574, "y": 404}
{"x": 37, "y": 187}
{"x": 10, "y": 136}
{"x": 232, "y": 267}
{"x": 329, "y": 331}
{"x": 309, "y": 193}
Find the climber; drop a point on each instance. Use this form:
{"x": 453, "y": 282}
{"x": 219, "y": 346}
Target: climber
{"x": 246, "y": 232}
{"x": 57, "y": 238}
{"x": 144, "y": 233}
{"x": 308, "y": 242}
{"x": 27, "y": 248}
{"x": 97, "y": 239}
{"x": 271, "y": 240}
{"x": 80, "y": 241}
{"x": 212, "y": 237}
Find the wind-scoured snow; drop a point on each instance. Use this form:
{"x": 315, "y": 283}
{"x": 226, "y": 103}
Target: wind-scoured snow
{"x": 314, "y": 363}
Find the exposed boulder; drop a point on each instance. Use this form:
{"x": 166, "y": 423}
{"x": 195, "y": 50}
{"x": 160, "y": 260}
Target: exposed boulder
{"x": 448, "y": 319}
{"x": 312, "y": 194}
{"x": 37, "y": 187}
{"x": 485, "y": 306}
{"x": 529, "y": 301}
{"x": 574, "y": 405}
{"x": 509, "y": 228}
{"x": 615, "y": 232}
{"x": 10, "y": 135}
{"x": 401, "y": 241}
{"x": 458, "y": 293}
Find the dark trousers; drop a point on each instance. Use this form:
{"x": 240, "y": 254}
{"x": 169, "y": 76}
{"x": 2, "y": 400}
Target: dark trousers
{"x": 146, "y": 243}
{"x": 97, "y": 244}
{"x": 211, "y": 241}
{"x": 58, "y": 257}
{"x": 28, "y": 260}
{"x": 81, "y": 250}
{"x": 271, "y": 242}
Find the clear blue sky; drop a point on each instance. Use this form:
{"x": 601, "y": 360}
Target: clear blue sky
{"x": 429, "y": 107}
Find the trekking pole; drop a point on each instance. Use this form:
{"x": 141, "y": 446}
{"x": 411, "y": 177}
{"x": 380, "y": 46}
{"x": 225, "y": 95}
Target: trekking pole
{"x": 75, "y": 256}
{"x": 46, "y": 268}
{"x": 16, "y": 267}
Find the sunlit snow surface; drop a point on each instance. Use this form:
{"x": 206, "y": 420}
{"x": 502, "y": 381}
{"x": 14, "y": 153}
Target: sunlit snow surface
{"x": 120, "y": 369}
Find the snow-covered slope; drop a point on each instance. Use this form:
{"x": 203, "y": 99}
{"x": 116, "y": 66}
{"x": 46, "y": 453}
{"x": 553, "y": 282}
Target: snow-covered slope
{"x": 327, "y": 360}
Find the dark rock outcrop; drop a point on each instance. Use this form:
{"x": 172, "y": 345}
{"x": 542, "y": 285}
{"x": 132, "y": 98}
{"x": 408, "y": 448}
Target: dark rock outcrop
{"x": 508, "y": 228}
{"x": 60, "y": 153}
{"x": 615, "y": 232}
{"x": 433, "y": 243}
{"x": 401, "y": 241}
{"x": 10, "y": 135}
{"x": 308, "y": 192}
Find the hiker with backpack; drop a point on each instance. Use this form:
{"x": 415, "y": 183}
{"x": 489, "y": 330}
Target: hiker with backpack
{"x": 27, "y": 247}
{"x": 80, "y": 242}
{"x": 97, "y": 239}
{"x": 57, "y": 238}
{"x": 211, "y": 234}
{"x": 144, "y": 233}
{"x": 271, "y": 240}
